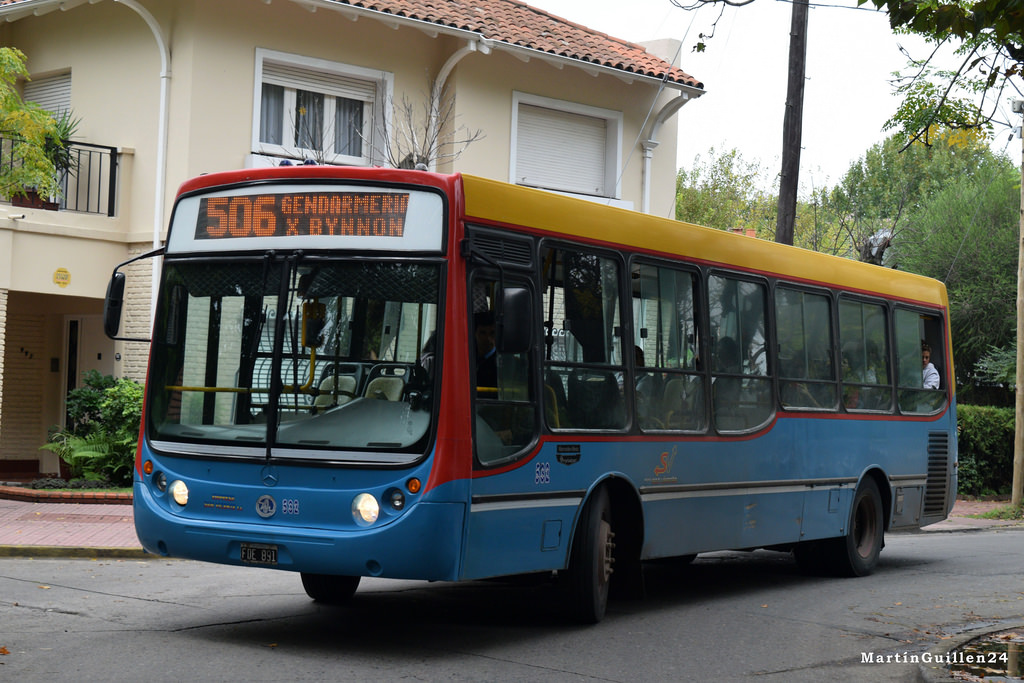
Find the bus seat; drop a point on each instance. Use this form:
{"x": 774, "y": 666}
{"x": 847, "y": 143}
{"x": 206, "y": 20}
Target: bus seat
{"x": 595, "y": 401}
{"x": 387, "y": 388}
{"x": 386, "y": 381}
{"x": 554, "y": 399}
{"x": 334, "y": 390}
{"x": 673, "y": 402}
{"x": 551, "y": 407}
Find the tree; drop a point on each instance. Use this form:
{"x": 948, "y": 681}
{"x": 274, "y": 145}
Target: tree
{"x": 30, "y": 134}
{"x": 881, "y": 191}
{"x": 422, "y": 139}
{"x": 989, "y": 38}
{"x": 722, "y": 191}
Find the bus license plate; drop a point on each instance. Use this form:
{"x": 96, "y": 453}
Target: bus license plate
{"x": 259, "y": 553}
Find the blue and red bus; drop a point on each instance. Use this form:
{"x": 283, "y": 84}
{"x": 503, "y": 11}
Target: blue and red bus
{"x": 375, "y": 372}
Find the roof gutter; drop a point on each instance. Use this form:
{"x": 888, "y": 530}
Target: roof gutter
{"x": 437, "y": 91}
{"x": 161, "y": 149}
{"x": 652, "y": 142}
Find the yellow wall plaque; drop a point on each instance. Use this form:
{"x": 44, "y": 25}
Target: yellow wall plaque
{"x": 62, "y": 277}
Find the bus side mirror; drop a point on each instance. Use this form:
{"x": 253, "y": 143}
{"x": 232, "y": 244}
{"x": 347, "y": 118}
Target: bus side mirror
{"x": 113, "y": 303}
{"x": 516, "y": 332}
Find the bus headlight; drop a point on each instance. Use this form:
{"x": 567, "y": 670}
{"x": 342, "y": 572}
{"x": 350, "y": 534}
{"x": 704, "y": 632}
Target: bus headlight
{"x": 365, "y": 509}
{"x": 179, "y": 492}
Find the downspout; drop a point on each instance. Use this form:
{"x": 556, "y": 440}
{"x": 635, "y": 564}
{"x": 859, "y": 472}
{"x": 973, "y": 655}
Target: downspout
{"x": 651, "y": 143}
{"x": 442, "y": 77}
{"x": 161, "y": 150}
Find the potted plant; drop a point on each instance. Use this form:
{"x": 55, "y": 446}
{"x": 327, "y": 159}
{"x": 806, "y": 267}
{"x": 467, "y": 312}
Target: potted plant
{"x": 57, "y": 151}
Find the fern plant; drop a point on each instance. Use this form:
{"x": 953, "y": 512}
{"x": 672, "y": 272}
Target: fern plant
{"x": 100, "y": 439}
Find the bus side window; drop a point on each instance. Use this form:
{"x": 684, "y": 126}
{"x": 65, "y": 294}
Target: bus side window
{"x": 806, "y": 371}
{"x": 864, "y": 354}
{"x": 583, "y": 345}
{"x": 741, "y": 385}
{"x": 668, "y": 385}
{"x": 913, "y": 332}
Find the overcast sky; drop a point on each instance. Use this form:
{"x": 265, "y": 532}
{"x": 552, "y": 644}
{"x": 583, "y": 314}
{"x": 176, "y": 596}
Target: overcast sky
{"x": 848, "y": 96}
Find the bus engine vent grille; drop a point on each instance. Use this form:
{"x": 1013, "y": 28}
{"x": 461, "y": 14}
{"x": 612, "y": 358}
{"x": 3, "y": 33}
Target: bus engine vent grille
{"x": 937, "y": 485}
{"x": 503, "y": 250}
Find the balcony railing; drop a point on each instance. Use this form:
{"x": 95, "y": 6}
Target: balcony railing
{"x": 90, "y": 185}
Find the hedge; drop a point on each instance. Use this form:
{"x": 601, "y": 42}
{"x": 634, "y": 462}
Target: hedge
{"x": 985, "y": 442}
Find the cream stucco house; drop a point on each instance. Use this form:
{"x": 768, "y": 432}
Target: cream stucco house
{"x": 168, "y": 89}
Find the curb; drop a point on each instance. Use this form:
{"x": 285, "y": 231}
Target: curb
{"x": 65, "y": 552}
{"x": 939, "y": 673}
{"x": 27, "y": 495}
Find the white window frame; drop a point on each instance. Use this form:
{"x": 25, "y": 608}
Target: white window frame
{"x": 613, "y": 140}
{"x": 375, "y": 112}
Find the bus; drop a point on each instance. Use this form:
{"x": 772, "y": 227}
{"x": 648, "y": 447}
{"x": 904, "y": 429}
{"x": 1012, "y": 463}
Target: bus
{"x": 401, "y": 374}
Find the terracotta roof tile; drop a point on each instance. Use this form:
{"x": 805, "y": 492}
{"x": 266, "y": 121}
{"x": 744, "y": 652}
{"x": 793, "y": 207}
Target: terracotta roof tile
{"x": 516, "y": 23}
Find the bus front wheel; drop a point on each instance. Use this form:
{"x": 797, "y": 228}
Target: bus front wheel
{"x": 329, "y": 589}
{"x": 592, "y": 559}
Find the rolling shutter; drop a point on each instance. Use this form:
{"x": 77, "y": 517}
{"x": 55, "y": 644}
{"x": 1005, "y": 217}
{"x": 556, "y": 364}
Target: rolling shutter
{"x": 52, "y": 93}
{"x": 300, "y": 78}
{"x": 560, "y": 150}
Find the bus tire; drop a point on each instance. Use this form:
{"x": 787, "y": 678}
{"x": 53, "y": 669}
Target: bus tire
{"x": 856, "y": 553}
{"x": 591, "y": 561}
{"x": 330, "y": 589}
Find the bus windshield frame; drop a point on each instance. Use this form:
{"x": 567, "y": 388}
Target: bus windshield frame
{"x": 292, "y": 320}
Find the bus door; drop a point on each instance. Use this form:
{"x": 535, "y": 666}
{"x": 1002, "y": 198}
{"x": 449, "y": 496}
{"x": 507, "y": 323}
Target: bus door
{"x": 503, "y": 537}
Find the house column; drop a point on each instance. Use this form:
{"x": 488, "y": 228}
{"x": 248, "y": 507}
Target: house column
{"x": 137, "y": 319}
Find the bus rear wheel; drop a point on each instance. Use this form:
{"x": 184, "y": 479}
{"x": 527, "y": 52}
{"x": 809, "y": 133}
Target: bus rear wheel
{"x": 330, "y": 589}
{"x": 856, "y": 553}
{"x": 591, "y": 562}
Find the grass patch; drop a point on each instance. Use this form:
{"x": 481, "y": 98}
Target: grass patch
{"x": 1003, "y": 512}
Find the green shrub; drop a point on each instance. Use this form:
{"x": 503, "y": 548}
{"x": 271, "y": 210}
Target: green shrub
{"x": 83, "y": 404}
{"x": 103, "y": 427}
{"x": 985, "y": 445}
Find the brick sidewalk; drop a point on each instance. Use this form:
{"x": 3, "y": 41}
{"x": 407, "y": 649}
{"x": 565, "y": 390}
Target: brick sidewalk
{"x": 64, "y": 526}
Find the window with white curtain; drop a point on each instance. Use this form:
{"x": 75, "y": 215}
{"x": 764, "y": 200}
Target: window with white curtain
{"x": 315, "y": 109}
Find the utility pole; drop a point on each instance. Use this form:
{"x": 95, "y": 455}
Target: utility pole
{"x": 1018, "y": 423}
{"x": 792, "y": 125}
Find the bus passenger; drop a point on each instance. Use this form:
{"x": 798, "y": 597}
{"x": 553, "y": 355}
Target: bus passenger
{"x": 929, "y": 375}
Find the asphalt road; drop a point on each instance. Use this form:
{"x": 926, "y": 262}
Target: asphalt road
{"x": 727, "y": 617}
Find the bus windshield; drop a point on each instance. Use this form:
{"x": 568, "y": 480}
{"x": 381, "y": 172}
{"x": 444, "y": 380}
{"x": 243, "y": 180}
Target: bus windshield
{"x": 316, "y": 358}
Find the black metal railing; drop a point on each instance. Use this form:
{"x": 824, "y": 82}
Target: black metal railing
{"x": 89, "y": 185}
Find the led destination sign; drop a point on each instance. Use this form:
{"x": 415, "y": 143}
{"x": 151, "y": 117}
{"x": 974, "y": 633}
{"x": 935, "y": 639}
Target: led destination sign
{"x": 302, "y": 214}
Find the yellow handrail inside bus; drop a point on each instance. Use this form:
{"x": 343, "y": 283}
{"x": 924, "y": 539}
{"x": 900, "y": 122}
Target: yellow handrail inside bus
{"x": 210, "y": 390}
